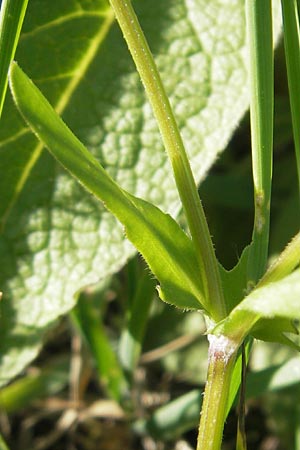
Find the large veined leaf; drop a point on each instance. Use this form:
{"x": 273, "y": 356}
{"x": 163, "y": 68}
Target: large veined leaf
{"x": 54, "y": 237}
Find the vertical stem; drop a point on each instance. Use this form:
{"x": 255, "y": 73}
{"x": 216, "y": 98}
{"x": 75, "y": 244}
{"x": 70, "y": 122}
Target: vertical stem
{"x": 222, "y": 355}
{"x": 241, "y": 442}
{"x": 259, "y": 33}
{"x": 292, "y": 56}
{"x": 297, "y": 428}
{"x": 185, "y": 182}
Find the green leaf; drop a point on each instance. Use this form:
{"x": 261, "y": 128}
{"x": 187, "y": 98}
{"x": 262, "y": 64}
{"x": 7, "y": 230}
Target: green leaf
{"x": 268, "y": 309}
{"x": 235, "y": 382}
{"x": 138, "y": 311}
{"x": 91, "y": 326}
{"x": 164, "y": 245}
{"x": 182, "y": 414}
{"x": 271, "y": 330}
{"x": 290, "y": 12}
{"x": 55, "y": 238}
{"x": 180, "y": 347}
{"x": 285, "y": 263}
{"x": 41, "y": 383}
{"x": 11, "y": 20}
{"x": 172, "y": 419}
{"x": 273, "y": 378}
{"x": 3, "y": 445}
{"x": 235, "y": 280}
{"x": 278, "y": 299}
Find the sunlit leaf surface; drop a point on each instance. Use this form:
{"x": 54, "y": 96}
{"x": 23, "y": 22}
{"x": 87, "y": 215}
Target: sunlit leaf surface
{"x": 55, "y": 238}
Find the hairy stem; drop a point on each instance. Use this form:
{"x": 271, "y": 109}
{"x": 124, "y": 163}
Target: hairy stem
{"x": 185, "y": 182}
{"x": 222, "y": 355}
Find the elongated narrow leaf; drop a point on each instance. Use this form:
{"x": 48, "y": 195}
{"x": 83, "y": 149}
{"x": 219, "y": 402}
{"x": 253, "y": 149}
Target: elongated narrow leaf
{"x": 3, "y": 445}
{"x": 278, "y": 299}
{"x": 132, "y": 336}
{"x": 290, "y": 12}
{"x": 92, "y": 328}
{"x": 285, "y": 263}
{"x": 235, "y": 280}
{"x": 166, "y": 248}
{"x": 11, "y": 20}
{"x": 273, "y": 305}
{"x": 42, "y": 383}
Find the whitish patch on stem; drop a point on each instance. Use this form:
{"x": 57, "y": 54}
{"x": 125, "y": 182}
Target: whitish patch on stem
{"x": 221, "y": 347}
{"x": 259, "y": 211}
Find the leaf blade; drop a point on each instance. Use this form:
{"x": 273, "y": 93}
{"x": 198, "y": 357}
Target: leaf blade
{"x": 157, "y": 236}
{"x": 11, "y": 20}
{"x": 278, "y": 300}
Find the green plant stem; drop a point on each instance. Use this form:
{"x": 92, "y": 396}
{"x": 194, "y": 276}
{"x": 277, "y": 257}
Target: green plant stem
{"x": 174, "y": 146}
{"x": 222, "y": 355}
{"x": 292, "y": 55}
{"x": 259, "y": 34}
{"x": 241, "y": 441}
{"x": 11, "y": 20}
{"x": 297, "y": 430}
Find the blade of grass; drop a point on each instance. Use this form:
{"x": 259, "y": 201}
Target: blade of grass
{"x": 259, "y": 35}
{"x": 91, "y": 326}
{"x": 277, "y": 301}
{"x": 292, "y": 54}
{"x": 184, "y": 179}
{"x": 48, "y": 381}
{"x": 138, "y": 313}
{"x": 11, "y": 20}
{"x": 3, "y": 445}
{"x": 284, "y": 264}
